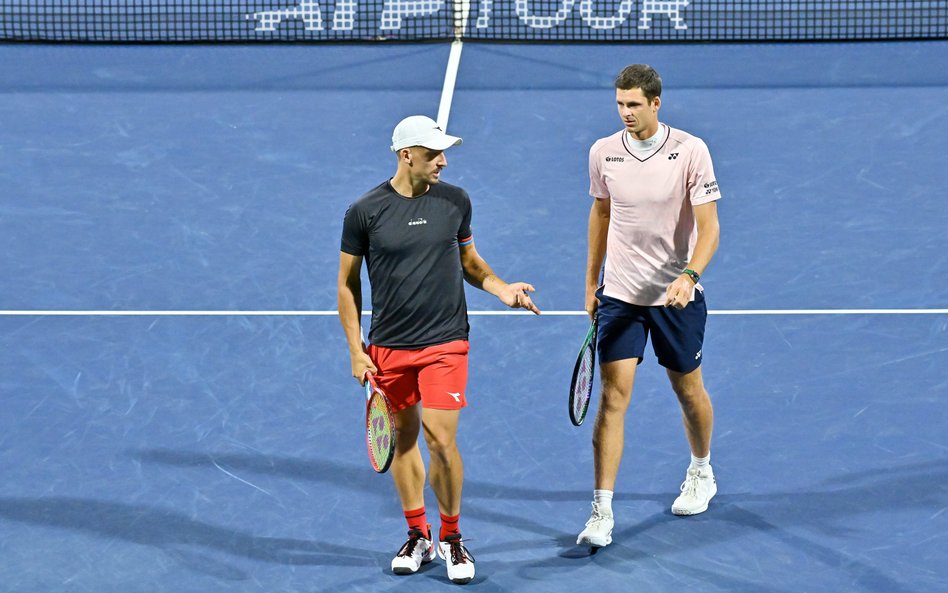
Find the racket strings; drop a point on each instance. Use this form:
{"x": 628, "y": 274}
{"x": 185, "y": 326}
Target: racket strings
{"x": 584, "y": 377}
{"x": 582, "y": 387}
{"x": 582, "y": 382}
{"x": 380, "y": 431}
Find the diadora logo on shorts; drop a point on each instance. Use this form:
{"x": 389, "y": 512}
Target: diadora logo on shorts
{"x": 417, "y": 221}
{"x": 673, "y": 156}
{"x": 615, "y": 159}
{"x": 456, "y": 396}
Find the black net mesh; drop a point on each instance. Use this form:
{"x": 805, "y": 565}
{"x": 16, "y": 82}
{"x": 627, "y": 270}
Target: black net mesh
{"x": 500, "y": 20}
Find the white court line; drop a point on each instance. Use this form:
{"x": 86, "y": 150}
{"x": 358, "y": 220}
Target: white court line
{"x": 450, "y": 77}
{"x": 186, "y": 313}
{"x": 830, "y": 312}
{"x": 462, "y": 10}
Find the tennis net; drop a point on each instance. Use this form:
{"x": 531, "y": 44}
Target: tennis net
{"x": 487, "y": 20}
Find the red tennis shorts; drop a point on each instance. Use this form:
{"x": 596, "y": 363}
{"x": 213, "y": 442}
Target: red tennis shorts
{"x": 436, "y": 376}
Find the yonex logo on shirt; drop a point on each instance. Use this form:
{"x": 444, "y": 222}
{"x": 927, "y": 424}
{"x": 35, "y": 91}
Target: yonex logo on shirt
{"x": 417, "y": 221}
{"x": 615, "y": 159}
{"x": 673, "y": 156}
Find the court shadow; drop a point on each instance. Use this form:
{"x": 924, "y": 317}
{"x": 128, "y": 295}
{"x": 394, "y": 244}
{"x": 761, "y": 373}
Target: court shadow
{"x": 807, "y": 522}
{"x": 474, "y": 489}
{"x": 540, "y": 526}
{"x": 349, "y": 477}
{"x": 181, "y": 537}
{"x": 877, "y": 490}
{"x": 568, "y": 549}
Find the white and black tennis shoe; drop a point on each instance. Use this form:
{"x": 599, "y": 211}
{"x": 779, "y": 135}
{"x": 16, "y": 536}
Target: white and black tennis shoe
{"x": 459, "y": 560}
{"x": 416, "y": 551}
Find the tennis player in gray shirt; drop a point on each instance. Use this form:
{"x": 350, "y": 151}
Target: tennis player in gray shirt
{"x": 414, "y": 233}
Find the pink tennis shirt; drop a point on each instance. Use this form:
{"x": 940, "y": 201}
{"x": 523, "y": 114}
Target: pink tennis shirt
{"x": 652, "y": 229}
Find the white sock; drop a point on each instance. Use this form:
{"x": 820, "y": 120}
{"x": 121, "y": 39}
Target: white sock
{"x": 702, "y": 463}
{"x": 603, "y": 499}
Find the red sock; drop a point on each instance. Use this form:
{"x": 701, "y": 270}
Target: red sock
{"x": 417, "y": 520}
{"x": 449, "y": 525}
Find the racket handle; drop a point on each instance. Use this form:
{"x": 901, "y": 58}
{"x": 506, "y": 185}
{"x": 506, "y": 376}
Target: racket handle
{"x": 369, "y": 383}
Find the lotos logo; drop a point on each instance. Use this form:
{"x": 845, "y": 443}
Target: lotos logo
{"x": 615, "y": 159}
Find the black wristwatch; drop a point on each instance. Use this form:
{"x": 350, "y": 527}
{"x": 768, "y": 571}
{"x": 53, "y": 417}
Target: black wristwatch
{"x": 694, "y": 275}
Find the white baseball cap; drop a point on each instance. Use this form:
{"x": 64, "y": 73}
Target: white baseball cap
{"x": 419, "y": 130}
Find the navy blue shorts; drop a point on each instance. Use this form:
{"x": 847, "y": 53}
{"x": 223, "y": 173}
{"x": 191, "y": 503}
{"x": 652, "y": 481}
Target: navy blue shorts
{"x": 677, "y": 334}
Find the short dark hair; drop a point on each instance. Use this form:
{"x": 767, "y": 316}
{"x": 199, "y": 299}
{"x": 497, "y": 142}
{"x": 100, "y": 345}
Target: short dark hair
{"x": 640, "y": 76}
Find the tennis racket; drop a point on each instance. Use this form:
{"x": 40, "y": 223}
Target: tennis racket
{"x": 379, "y": 426}
{"x": 581, "y": 385}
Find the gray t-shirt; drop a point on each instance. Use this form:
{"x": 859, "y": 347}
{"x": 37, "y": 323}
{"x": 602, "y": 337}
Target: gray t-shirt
{"x": 411, "y": 248}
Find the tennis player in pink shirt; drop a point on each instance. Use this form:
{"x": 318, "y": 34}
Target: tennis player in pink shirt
{"x": 654, "y": 221}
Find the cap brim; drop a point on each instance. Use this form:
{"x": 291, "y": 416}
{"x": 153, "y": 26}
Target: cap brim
{"x": 439, "y": 142}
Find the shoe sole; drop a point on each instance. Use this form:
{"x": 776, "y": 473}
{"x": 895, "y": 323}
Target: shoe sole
{"x": 687, "y": 512}
{"x": 405, "y": 570}
{"x": 594, "y": 542}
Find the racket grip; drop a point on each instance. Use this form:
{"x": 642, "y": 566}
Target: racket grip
{"x": 368, "y": 383}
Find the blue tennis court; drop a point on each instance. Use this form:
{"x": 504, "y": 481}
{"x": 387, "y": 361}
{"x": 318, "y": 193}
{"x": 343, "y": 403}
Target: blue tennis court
{"x": 196, "y": 429}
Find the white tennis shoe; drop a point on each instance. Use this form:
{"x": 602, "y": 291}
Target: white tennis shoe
{"x": 416, "y": 551}
{"x": 598, "y": 532}
{"x": 697, "y": 491}
{"x": 460, "y": 562}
